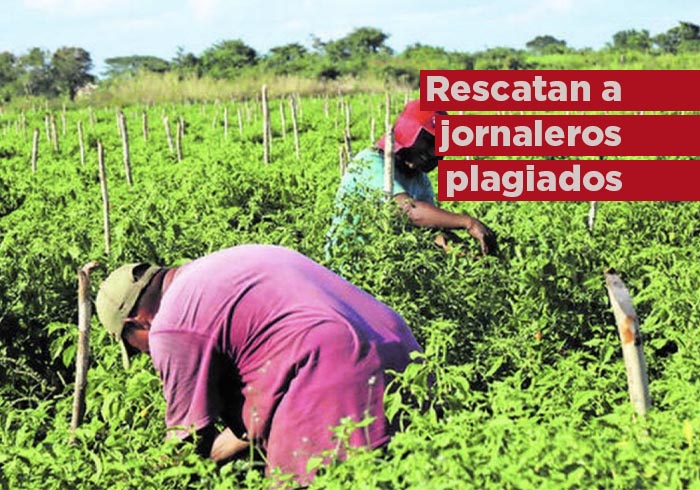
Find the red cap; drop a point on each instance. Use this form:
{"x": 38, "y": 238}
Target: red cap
{"x": 408, "y": 125}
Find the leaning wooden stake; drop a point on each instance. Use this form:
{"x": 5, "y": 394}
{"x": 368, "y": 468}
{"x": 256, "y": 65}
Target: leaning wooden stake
{"x": 631, "y": 338}
{"x": 105, "y": 195}
{"x": 35, "y": 148}
{"x": 125, "y": 147}
{"x": 295, "y": 126}
{"x": 388, "y": 152}
{"x": 83, "y": 355}
{"x": 265, "y": 125}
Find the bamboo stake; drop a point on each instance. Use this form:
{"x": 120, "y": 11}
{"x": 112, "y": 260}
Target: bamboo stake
{"x": 631, "y": 338}
{"x": 168, "y": 134}
{"x": 81, "y": 143}
{"x": 265, "y": 125}
{"x": 295, "y": 126}
{"x": 240, "y": 123}
{"x": 125, "y": 147}
{"x": 388, "y": 152}
{"x": 83, "y": 356}
{"x": 325, "y": 105}
{"x": 35, "y": 149}
{"x": 105, "y": 195}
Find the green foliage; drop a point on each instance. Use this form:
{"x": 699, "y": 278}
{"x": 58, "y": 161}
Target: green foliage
{"x": 546, "y": 45}
{"x": 521, "y": 384}
{"x": 122, "y": 66}
{"x": 225, "y": 59}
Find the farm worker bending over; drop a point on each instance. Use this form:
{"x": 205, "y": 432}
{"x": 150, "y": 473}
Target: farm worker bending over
{"x": 260, "y": 337}
{"x": 414, "y": 157}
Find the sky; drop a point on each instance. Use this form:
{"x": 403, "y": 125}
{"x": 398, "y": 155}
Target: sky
{"x": 108, "y": 28}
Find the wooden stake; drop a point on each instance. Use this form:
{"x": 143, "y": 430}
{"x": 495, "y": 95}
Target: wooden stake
{"x": 178, "y": 139}
{"x": 82, "y": 359}
{"x": 341, "y": 159}
{"x": 283, "y": 121}
{"x": 35, "y": 149}
{"x": 295, "y": 126}
{"x": 631, "y": 338}
{"x": 348, "y": 143}
{"x": 63, "y": 120}
{"x": 240, "y": 123}
{"x": 225, "y": 123}
{"x": 168, "y": 134}
{"x": 388, "y": 152}
{"x": 47, "y": 127}
{"x": 125, "y": 147}
{"x": 54, "y": 134}
{"x": 144, "y": 125}
{"x": 591, "y": 215}
{"x": 81, "y": 143}
{"x": 265, "y": 125}
{"x": 105, "y": 195}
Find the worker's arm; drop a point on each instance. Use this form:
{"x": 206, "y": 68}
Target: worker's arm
{"x": 430, "y": 216}
{"x": 219, "y": 446}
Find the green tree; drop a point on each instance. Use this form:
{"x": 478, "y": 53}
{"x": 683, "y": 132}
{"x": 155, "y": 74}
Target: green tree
{"x": 501, "y": 59}
{"x": 684, "y": 35}
{"x": 227, "y": 58}
{"x": 132, "y": 65}
{"x": 633, "y": 40}
{"x": 70, "y": 67}
{"x": 546, "y": 45}
{"x": 35, "y": 77}
{"x": 364, "y": 41}
{"x": 186, "y": 63}
{"x": 8, "y": 75}
{"x": 289, "y": 58}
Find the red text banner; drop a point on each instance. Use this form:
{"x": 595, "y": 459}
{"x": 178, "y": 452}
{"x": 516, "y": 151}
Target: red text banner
{"x": 568, "y": 180}
{"x": 567, "y": 135}
{"x": 560, "y": 90}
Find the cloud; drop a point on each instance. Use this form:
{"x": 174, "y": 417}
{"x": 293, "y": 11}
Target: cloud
{"x": 541, "y": 10}
{"x": 78, "y": 8}
{"x": 205, "y": 10}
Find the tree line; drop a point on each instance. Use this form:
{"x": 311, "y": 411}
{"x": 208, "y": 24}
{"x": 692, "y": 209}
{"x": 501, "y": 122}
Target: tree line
{"x": 362, "y": 52}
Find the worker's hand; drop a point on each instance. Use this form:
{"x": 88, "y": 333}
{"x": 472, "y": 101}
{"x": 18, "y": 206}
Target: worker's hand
{"x": 484, "y": 235}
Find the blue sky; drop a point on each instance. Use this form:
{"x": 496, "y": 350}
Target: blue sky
{"x": 109, "y": 28}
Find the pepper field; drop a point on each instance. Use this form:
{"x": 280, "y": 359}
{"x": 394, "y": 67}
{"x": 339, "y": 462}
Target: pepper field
{"x": 529, "y": 368}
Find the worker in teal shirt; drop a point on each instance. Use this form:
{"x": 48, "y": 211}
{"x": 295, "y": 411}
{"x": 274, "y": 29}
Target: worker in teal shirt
{"x": 414, "y": 157}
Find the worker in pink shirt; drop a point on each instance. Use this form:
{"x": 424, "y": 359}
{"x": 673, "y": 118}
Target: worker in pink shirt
{"x": 265, "y": 340}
